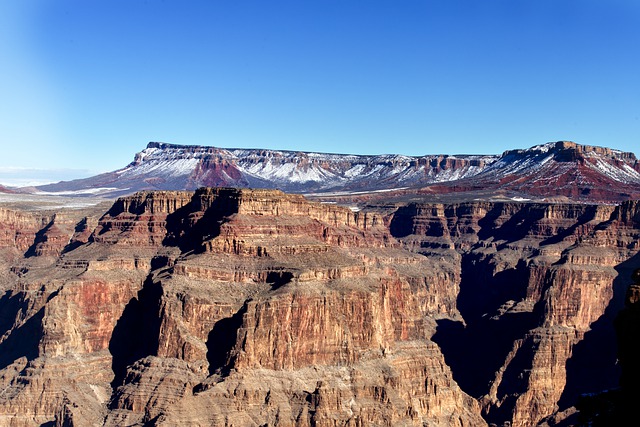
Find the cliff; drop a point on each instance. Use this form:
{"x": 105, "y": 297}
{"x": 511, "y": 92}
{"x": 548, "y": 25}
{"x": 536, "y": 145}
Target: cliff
{"x": 282, "y": 311}
{"x": 556, "y": 172}
{"x": 540, "y": 285}
{"x": 560, "y": 170}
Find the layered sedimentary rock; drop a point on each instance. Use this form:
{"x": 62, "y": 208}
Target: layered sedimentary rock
{"x": 179, "y": 298}
{"x": 18, "y": 229}
{"x": 539, "y": 287}
{"x": 256, "y": 307}
{"x": 560, "y": 170}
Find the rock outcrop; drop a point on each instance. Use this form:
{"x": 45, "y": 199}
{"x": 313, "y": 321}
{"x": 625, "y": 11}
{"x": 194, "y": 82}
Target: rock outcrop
{"x": 256, "y": 307}
{"x": 540, "y": 286}
{"x": 559, "y": 170}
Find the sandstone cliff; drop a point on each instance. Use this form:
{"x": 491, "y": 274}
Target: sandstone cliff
{"x": 256, "y": 307}
{"x": 539, "y": 287}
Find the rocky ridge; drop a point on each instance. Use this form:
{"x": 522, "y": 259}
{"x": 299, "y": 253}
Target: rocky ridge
{"x": 564, "y": 169}
{"x": 289, "y": 312}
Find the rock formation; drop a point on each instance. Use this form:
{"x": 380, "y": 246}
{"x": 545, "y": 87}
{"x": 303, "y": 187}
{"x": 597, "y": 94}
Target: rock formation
{"x": 560, "y": 170}
{"x": 256, "y": 307}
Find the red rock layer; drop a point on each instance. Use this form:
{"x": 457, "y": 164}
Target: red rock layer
{"x": 554, "y": 267}
{"x": 253, "y": 307}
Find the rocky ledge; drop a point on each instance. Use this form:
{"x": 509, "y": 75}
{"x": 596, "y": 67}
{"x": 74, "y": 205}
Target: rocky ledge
{"x": 256, "y": 307}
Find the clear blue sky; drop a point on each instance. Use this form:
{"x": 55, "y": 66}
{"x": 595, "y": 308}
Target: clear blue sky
{"x": 86, "y": 84}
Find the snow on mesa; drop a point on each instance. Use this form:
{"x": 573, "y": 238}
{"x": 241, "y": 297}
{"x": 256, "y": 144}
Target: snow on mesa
{"x": 626, "y": 174}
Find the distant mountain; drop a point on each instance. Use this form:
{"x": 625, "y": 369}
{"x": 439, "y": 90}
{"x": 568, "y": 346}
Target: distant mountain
{"x": 4, "y": 189}
{"x": 559, "y": 169}
{"x": 177, "y": 167}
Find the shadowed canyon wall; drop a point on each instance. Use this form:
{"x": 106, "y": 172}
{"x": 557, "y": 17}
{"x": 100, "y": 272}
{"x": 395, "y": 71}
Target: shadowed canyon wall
{"x": 255, "y": 307}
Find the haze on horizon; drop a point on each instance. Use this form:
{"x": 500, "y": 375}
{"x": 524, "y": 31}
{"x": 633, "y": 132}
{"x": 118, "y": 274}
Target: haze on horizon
{"x": 87, "y": 84}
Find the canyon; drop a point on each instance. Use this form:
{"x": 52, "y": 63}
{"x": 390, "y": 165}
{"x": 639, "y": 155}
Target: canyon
{"x": 253, "y": 307}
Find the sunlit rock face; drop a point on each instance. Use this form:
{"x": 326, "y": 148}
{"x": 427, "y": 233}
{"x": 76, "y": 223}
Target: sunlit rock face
{"x": 256, "y": 307}
{"x": 555, "y": 171}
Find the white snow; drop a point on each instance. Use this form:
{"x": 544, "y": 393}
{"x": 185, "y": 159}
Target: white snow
{"x": 327, "y": 171}
{"x": 275, "y": 170}
{"x": 49, "y": 202}
{"x": 352, "y": 193}
{"x": 170, "y": 167}
{"x": 85, "y": 191}
{"x": 626, "y": 174}
{"x": 355, "y": 171}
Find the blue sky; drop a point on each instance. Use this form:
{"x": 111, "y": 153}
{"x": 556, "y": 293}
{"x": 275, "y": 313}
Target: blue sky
{"x": 86, "y": 84}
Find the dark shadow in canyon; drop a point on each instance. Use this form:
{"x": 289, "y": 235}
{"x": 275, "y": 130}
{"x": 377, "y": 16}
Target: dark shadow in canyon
{"x": 483, "y": 290}
{"x": 402, "y": 223}
{"x": 22, "y": 341}
{"x": 593, "y": 366}
{"x": 10, "y": 305}
{"x": 474, "y": 353}
{"x": 191, "y": 225}
{"x": 514, "y": 382}
{"x": 80, "y": 227}
{"x": 221, "y": 341}
{"x": 41, "y": 237}
{"x": 137, "y": 331}
{"x": 278, "y": 279}
{"x": 588, "y": 215}
{"x": 518, "y": 226}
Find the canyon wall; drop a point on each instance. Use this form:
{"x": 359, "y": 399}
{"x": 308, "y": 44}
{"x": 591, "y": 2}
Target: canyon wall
{"x": 255, "y": 307}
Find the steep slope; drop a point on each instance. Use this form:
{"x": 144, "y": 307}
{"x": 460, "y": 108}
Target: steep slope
{"x": 540, "y": 285}
{"x": 281, "y": 311}
{"x": 250, "y": 307}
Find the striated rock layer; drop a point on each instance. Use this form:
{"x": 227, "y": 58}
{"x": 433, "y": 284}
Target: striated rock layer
{"x": 255, "y": 307}
{"x": 560, "y": 170}
{"x": 539, "y": 288}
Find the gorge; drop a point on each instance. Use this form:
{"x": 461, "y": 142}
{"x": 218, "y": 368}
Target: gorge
{"x": 228, "y": 306}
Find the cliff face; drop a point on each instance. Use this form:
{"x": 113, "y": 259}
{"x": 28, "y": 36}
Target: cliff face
{"x": 286, "y": 312}
{"x": 539, "y": 288}
{"x": 162, "y": 166}
{"x": 562, "y": 171}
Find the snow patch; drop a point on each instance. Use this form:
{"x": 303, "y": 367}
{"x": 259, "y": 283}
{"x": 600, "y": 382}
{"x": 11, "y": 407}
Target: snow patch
{"x": 85, "y": 191}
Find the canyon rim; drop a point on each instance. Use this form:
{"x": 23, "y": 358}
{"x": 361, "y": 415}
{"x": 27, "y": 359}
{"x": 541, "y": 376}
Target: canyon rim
{"x": 385, "y": 291}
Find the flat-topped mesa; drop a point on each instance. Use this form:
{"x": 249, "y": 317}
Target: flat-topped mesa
{"x": 438, "y": 162}
{"x": 568, "y": 151}
{"x": 562, "y": 170}
{"x": 166, "y": 145}
{"x": 569, "y": 146}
